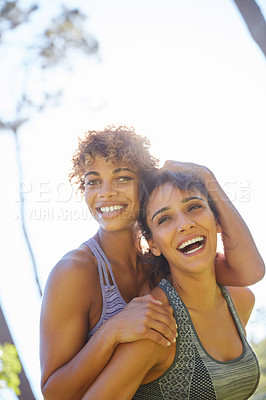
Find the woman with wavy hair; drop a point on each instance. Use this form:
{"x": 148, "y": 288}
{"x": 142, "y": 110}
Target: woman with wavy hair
{"x": 211, "y": 358}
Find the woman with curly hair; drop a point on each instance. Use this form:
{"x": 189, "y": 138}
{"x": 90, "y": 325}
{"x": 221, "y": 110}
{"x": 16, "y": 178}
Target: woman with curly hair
{"x": 97, "y": 296}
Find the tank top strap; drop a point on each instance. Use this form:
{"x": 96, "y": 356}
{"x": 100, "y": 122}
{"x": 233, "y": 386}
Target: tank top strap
{"x": 113, "y": 302}
{"x": 233, "y": 311}
{"x": 102, "y": 262}
{"x": 179, "y": 307}
{"x": 180, "y": 312}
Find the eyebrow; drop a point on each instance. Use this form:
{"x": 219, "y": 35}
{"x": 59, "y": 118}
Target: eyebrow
{"x": 116, "y": 171}
{"x": 92, "y": 173}
{"x": 159, "y": 211}
{"x": 186, "y": 200}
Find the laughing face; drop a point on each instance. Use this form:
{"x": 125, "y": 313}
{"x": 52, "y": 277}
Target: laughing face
{"x": 183, "y": 228}
{"x": 111, "y": 193}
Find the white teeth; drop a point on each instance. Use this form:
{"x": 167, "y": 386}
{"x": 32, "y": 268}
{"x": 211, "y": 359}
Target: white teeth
{"x": 196, "y": 249}
{"x": 111, "y": 208}
{"x": 191, "y": 241}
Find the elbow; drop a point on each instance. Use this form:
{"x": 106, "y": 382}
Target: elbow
{"x": 261, "y": 270}
{"x": 48, "y": 392}
{"x": 55, "y": 389}
{"x": 52, "y": 392}
{"x": 258, "y": 273}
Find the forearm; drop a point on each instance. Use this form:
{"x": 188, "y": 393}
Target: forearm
{"x": 74, "y": 378}
{"x": 125, "y": 372}
{"x": 142, "y": 318}
{"x": 243, "y": 265}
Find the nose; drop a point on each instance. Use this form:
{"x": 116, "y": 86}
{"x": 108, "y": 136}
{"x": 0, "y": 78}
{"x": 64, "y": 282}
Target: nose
{"x": 184, "y": 223}
{"x": 107, "y": 189}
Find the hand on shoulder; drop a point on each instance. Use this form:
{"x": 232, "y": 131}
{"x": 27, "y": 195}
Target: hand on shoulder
{"x": 144, "y": 318}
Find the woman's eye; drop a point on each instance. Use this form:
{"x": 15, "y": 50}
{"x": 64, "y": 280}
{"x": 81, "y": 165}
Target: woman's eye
{"x": 194, "y": 207}
{"x": 163, "y": 219}
{"x": 124, "y": 179}
{"x": 93, "y": 182}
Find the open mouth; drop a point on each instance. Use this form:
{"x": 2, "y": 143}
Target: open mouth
{"x": 192, "y": 245}
{"x": 116, "y": 208}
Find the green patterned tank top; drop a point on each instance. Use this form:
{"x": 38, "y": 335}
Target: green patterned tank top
{"x": 194, "y": 374}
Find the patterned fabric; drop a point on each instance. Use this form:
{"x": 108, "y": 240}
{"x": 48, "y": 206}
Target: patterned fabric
{"x": 194, "y": 374}
{"x": 112, "y": 299}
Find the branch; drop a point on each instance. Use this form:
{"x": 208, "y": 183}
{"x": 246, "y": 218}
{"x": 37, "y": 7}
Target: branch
{"x": 64, "y": 33}
{"x": 255, "y": 21}
{"x": 12, "y": 16}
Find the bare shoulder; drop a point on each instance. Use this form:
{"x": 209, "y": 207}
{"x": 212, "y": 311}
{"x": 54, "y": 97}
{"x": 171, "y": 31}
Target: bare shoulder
{"x": 75, "y": 273}
{"x": 244, "y": 300}
{"x": 159, "y": 294}
{"x": 242, "y": 295}
{"x": 79, "y": 261}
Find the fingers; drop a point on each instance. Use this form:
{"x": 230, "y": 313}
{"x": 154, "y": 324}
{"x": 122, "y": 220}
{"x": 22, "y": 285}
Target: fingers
{"x": 154, "y": 330}
{"x": 162, "y": 322}
{"x": 180, "y": 166}
{"x": 201, "y": 171}
{"x": 158, "y": 338}
{"x": 161, "y": 333}
{"x": 156, "y": 319}
{"x": 148, "y": 298}
{"x": 170, "y": 164}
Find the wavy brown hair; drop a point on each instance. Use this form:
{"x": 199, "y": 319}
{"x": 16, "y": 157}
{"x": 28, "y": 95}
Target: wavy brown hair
{"x": 184, "y": 181}
{"x": 118, "y": 145}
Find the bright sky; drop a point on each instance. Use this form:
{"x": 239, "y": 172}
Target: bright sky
{"x": 184, "y": 73}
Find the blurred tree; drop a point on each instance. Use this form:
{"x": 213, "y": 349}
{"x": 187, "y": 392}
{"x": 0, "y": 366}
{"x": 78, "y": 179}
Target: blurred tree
{"x": 48, "y": 49}
{"x": 255, "y": 21}
{"x": 10, "y": 367}
{"x": 24, "y": 387}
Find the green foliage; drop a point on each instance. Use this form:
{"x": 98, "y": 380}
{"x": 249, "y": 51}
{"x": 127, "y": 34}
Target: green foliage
{"x": 10, "y": 367}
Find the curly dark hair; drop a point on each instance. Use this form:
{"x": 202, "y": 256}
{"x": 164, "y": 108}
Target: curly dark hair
{"x": 118, "y": 145}
{"x": 184, "y": 181}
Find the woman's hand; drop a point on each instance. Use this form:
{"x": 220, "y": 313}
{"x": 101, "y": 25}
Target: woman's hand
{"x": 144, "y": 318}
{"x": 201, "y": 171}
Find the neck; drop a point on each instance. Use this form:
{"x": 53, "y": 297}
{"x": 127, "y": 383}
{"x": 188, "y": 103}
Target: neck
{"x": 198, "y": 292}
{"x": 119, "y": 246}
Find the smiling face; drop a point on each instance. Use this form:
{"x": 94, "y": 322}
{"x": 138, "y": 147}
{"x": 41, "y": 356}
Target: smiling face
{"x": 183, "y": 228}
{"x": 111, "y": 193}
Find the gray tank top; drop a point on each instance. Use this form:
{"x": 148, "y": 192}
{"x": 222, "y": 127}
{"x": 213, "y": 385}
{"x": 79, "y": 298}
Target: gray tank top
{"x": 194, "y": 374}
{"x": 112, "y": 299}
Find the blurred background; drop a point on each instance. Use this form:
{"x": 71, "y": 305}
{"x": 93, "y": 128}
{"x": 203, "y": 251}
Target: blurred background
{"x": 189, "y": 75}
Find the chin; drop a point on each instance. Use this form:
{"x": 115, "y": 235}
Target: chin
{"x": 114, "y": 227}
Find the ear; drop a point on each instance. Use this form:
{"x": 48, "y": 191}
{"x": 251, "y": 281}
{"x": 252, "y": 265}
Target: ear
{"x": 218, "y": 228}
{"x": 154, "y": 248}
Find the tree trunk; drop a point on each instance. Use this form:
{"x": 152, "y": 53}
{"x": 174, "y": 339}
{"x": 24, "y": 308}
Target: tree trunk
{"x": 22, "y": 212}
{"x": 255, "y": 21}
